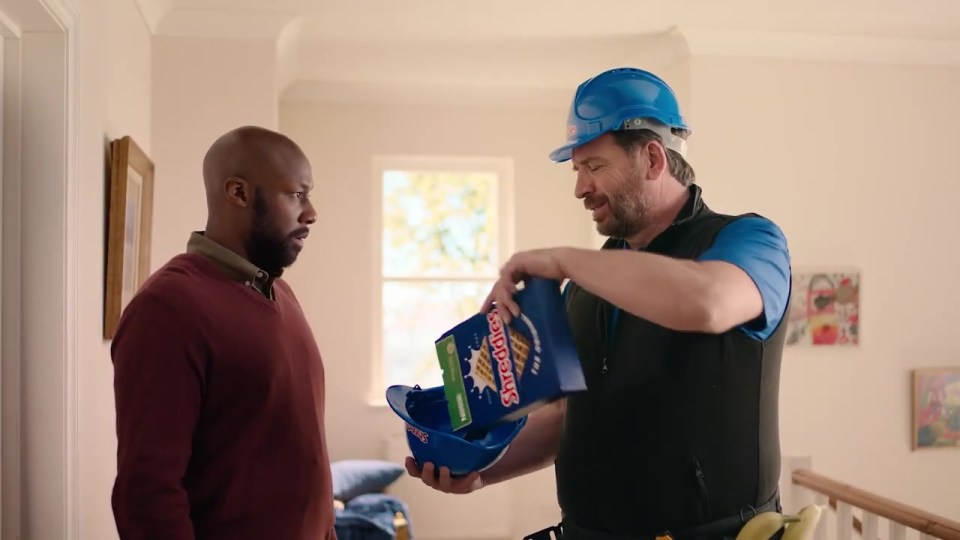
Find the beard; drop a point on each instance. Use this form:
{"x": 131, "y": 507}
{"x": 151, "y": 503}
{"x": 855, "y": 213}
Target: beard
{"x": 628, "y": 209}
{"x": 627, "y": 212}
{"x": 267, "y": 247}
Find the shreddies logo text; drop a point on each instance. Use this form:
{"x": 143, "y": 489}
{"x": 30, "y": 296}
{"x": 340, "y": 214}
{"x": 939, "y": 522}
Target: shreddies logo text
{"x": 418, "y": 433}
{"x": 509, "y": 393}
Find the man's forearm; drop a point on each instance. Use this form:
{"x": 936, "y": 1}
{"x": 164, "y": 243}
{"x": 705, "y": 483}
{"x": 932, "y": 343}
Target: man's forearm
{"x": 534, "y": 448}
{"x": 679, "y": 294}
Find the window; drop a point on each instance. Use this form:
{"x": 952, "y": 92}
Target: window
{"x": 444, "y": 229}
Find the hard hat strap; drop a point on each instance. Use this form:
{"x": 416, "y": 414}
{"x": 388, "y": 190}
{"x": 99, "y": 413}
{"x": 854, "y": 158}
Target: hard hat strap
{"x": 670, "y": 141}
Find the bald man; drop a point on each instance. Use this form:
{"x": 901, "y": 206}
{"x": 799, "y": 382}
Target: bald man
{"x": 219, "y": 383}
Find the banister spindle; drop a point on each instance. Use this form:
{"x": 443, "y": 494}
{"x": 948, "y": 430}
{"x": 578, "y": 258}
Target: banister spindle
{"x": 820, "y": 533}
{"x": 897, "y": 531}
{"x": 871, "y": 528}
{"x": 844, "y": 521}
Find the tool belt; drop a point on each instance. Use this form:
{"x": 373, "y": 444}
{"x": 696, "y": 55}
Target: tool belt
{"x": 723, "y": 528}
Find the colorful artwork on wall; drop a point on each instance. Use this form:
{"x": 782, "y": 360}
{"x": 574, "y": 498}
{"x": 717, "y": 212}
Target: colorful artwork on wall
{"x": 936, "y": 408}
{"x": 825, "y": 309}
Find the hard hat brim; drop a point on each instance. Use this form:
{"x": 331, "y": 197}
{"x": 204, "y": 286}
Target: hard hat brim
{"x": 397, "y": 399}
{"x": 565, "y": 152}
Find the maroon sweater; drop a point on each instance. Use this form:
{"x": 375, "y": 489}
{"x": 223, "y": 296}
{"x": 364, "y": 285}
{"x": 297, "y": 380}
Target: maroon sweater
{"x": 220, "y": 412}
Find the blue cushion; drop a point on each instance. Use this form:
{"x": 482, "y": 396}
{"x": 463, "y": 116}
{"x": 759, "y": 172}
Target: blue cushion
{"x": 355, "y": 477}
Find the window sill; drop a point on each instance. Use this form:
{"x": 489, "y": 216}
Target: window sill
{"x": 377, "y": 402}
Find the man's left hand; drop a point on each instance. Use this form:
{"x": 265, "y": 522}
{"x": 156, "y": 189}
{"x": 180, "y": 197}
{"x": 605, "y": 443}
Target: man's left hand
{"x": 542, "y": 263}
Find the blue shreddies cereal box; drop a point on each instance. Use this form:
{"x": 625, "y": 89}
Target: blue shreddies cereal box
{"x": 494, "y": 373}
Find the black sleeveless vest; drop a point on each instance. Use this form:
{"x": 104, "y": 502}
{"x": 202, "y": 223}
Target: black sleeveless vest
{"x": 676, "y": 429}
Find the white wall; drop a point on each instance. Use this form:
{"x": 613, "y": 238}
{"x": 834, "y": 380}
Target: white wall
{"x": 201, "y": 89}
{"x": 858, "y": 165}
{"x": 115, "y": 96}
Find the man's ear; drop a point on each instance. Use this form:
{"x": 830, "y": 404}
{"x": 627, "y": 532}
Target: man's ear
{"x": 656, "y": 156}
{"x": 238, "y": 191}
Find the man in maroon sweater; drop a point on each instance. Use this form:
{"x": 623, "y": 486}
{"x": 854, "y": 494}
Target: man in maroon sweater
{"x": 219, "y": 383}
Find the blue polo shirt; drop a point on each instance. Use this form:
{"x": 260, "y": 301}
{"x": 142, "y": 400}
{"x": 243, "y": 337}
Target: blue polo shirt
{"x": 758, "y": 247}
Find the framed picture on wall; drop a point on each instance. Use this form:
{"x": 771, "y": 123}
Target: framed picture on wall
{"x": 129, "y": 221}
{"x": 824, "y": 308}
{"x": 936, "y": 408}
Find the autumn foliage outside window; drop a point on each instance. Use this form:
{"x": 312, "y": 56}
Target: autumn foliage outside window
{"x": 443, "y": 240}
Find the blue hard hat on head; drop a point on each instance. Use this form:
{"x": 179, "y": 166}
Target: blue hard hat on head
{"x": 622, "y": 98}
{"x": 432, "y": 439}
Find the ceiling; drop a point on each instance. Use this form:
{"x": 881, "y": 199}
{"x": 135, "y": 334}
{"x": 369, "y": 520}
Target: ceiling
{"x": 523, "y": 49}
{"x": 377, "y": 20}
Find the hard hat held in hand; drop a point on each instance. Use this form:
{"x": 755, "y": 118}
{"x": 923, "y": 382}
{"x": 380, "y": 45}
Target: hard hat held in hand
{"x": 431, "y": 437}
{"x": 622, "y": 98}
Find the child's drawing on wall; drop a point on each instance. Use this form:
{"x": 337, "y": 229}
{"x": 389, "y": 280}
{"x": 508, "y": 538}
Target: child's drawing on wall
{"x": 825, "y": 309}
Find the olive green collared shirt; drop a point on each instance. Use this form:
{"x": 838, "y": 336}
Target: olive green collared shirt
{"x": 235, "y": 266}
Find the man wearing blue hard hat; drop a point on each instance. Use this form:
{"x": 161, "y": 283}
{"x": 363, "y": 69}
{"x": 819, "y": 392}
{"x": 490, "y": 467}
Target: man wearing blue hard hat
{"x": 679, "y": 322}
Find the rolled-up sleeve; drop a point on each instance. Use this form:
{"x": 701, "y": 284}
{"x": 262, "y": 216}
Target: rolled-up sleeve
{"x": 758, "y": 247}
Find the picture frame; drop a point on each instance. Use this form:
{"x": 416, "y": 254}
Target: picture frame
{"x": 130, "y": 178}
{"x": 936, "y": 408}
{"x": 824, "y": 307}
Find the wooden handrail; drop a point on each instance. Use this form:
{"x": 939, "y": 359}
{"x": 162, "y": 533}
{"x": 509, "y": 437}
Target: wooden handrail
{"x": 913, "y": 518}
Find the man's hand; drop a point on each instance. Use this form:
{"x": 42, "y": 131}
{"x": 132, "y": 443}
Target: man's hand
{"x": 542, "y": 263}
{"x": 443, "y": 481}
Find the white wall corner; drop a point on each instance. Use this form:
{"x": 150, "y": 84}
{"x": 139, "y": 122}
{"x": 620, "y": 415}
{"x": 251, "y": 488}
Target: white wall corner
{"x": 288, "y": 55}
{"x": 792, "y": 496}
{"x": 223, "y": 24}
{"x": 8, "y": 28}
{"x": 153, "y": 11}
{"x": 822, "y": 47}
{"x": 65, "y": 12}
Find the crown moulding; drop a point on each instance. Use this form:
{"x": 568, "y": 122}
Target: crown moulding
{"x": 823, "y": 47}
{"x": 152, "y": 12}
{"x": 820, "y": 45}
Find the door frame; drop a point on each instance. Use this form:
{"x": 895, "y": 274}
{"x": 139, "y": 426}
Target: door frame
{"x": 38, "y": 376}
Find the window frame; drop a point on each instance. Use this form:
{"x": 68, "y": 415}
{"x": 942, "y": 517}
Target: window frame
{"x": 502, "y": 167}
